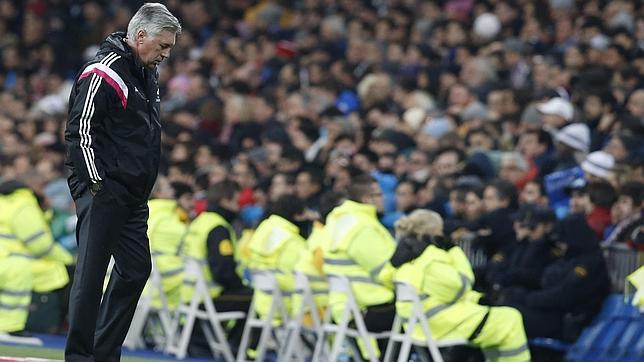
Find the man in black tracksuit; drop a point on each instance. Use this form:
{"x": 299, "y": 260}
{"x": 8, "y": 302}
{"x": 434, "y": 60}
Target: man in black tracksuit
{"x": 113, "y": 139}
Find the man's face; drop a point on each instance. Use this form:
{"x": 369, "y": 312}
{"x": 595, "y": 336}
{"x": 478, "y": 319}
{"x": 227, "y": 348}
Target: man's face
{"x": 579, "y": 202}
{"x": 473, "y": 206}
{"x": 153, "y": 50}
{"x": 511, "y": 171}
{"x": 531, "y": 194}
{"x": 624, "y": 207}
{"x": 375, "y": 197}
{"x": 405, "y": 197}
{"x": 446, "y": 164}
{"x": 304, "y": 187}
{"x": 491, "y": 199}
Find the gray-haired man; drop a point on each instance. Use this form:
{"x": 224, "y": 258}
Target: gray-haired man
{"x": 113, "y": 140}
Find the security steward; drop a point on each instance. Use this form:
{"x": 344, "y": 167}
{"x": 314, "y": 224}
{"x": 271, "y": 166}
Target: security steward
{"x": 277, "y": 246}
{"x": 166, "y": 232}
{"x": 572, "y": 289}
{"x": 522, "y": 263}
{"x": 443, "y": 277}
{"x": 359, "y": 248}
{"x": 212, "y": 240}
{"x": 25, "y": 233}
{"x": 16, "y": 282}
{"x": 311, "y": 261}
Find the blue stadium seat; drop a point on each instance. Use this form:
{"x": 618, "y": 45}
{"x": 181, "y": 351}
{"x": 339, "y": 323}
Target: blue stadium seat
{"x": 617, "y": 334}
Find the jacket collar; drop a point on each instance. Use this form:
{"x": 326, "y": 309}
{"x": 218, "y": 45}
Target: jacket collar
{"x": 228, "y": 215}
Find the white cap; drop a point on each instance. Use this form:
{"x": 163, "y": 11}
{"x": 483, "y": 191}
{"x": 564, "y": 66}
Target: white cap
{"x": 557, "y": 106}
{"x": 487, "y": 26}
{"x": 598, "y": 163}
{"x": 576, "y": 135}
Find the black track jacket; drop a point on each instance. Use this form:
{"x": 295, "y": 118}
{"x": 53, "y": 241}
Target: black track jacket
{"x": 113, "y": 133}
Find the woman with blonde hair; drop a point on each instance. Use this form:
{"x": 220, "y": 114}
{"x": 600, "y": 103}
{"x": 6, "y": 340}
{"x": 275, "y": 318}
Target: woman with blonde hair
{"x": 443, "y": 277}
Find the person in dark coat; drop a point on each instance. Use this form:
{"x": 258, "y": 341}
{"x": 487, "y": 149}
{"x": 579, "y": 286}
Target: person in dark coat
{"x": 495, "y": 230}
{"x": 572, "y": 289}
{"x": 522, "y": 263}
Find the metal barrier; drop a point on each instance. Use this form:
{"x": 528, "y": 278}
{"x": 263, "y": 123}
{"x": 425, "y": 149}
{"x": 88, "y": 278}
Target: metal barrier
{"x": 621, "y": 261}
{"x": 475, "y": 255}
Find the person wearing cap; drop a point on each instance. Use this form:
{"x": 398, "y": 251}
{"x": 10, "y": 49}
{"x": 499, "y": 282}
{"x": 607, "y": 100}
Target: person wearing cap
{"x": 521, "y": 264}
{"x": 598, "y": 166}
{"x": 571, "y": 290}
{"x": 557, "y": 112}
{"x": 579, "y": 203}
{"x": 571, "y": 146}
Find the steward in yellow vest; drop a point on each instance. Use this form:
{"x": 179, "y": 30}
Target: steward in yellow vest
{"x": 166, "y": 232}
{"x": 15, "y": 291}
{"x": 359, "y": 248}
{"x": 212, "y": 240}
{"x": 24, "y": 232}
{"x": 443, "y": 277}
{"x": 311, "y": 261}
{"x": 276, "y": 246}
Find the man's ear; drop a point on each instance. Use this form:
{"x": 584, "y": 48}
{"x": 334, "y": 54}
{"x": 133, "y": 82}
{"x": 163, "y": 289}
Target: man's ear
{"x": 140, "y": 35}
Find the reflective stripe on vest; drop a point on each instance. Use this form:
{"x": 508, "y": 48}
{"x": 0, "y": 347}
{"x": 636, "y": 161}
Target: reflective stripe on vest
{"x": 344, "y": 262}
{"x": 34, "y": 236}
{"x": 8, "y": 236}
{"x": 493, "y": 354}
{"x": 15, "y": 293}
{"x": 13, "y": 306}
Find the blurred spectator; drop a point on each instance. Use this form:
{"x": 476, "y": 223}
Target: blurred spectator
{"x": 495, "y": 226}
{"x": 571, "y": 290}
{"x": 626, "y": 216}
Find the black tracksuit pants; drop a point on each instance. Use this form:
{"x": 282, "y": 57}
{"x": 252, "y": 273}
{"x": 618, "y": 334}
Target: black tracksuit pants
{"x": 97, "y": 328}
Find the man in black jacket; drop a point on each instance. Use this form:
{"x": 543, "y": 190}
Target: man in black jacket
{"x": 113, "y": 139}
{"x": 572, "y": 289}
{"x": 521, "y": 264}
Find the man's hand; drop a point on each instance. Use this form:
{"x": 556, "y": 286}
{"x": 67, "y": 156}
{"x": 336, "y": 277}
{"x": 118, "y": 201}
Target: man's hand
{"x": 95, "y": 187}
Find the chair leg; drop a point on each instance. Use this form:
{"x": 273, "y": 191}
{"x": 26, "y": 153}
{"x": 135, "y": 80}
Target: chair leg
{"x": 395, "y": 328}
{"x": 340, "y": 336}
{"x": 243, "y": 344}
{"x": 364, "y": 335}
{"x": 320, "y": 341}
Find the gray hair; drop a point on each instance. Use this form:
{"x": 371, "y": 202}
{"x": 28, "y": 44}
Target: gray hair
{"x": 153, "y": 18}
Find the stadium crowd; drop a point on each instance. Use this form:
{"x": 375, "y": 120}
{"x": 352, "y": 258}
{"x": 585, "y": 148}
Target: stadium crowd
{"x": 520, "y": 123}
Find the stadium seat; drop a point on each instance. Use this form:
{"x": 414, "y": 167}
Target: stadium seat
{"x": 295, "y": 325}
{"x": 265, "y": 281}
{"x": 342, "y": 329}
{"x": 617, "y": 334}
{"x": 407, "y": 293}
{"x": 210, "y": 320}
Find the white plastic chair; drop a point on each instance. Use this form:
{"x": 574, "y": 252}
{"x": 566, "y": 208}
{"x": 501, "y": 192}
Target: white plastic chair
{"x": 341, "y": 329}
{"x": 145, "y": 310}
{"x": 265, "y": 281}
{"x": 210, "y": 320}
{"x": 407, "y": 293}
{"x": 294, "y": 327}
